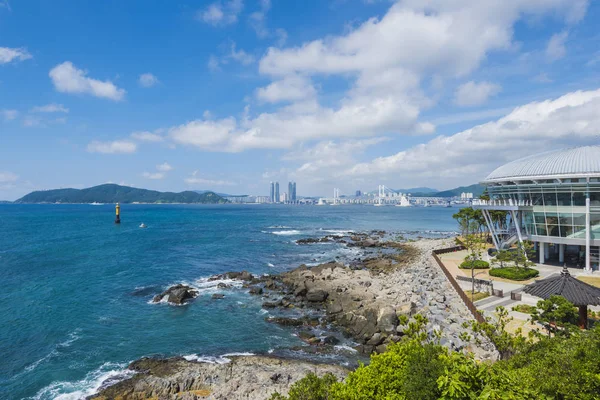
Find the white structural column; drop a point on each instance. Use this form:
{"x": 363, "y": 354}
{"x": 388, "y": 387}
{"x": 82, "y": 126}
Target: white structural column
{"x": 542, "y": 251}
{"x": 587, "y": 234}
{"x": 488, "y": 221}
{"x": 561, "y": 253}
{"x": 547, "y": 250}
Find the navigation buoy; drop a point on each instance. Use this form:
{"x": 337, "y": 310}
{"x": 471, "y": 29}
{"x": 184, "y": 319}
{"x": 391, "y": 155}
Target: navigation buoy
{"x": 118, "y": 214}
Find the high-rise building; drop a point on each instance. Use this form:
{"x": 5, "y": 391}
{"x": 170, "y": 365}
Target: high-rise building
{"x": 272, "y": 194}
{"x": 358, "y": 193}
{"x": 292, "y": 191}
{"x": 277, "y": 198}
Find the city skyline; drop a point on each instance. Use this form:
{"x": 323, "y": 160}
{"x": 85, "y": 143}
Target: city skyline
{"x": 267, "y": 96}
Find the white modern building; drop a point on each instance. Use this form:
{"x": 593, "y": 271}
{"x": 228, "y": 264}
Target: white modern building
{"x": 553, "y": 199}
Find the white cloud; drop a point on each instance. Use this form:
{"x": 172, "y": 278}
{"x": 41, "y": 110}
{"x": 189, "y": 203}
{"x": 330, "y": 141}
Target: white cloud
{"x": 220, "y": 13}
{"x": 8, "y": 55}
{"x": 154, "y": 175}
{"x": 196, "y": 179}
{"x": 50, "y": 108}
{"x": 282, "y": 36}
{"x": 556, "y": 49}
{"x": 68, "y": 79}
{"x": 213, "y": 63}
{"x": 474, "y": 94}
{"x": 5, "y": 4}
{"x": 8, "y": 177}
{"x": 9, "y": 115}
{"x": 468, "y": 156}
{"x": 147, "y": 136}
{"x": 241, "y": 56}
{"x": 114, "y": 147}
{"x": 147, "y": 80}
{"x": 290, "y": 88}
{"x": 164, "y": 167}
{"x": 257, "y": 19}
{"x": 204, "y": 134}
{"x": 31, "y": 122}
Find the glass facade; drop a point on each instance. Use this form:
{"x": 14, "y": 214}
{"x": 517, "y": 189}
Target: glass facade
{"x": 554, "y": 208}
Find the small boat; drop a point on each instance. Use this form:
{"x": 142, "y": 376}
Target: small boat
{"x": 142, "y": 225}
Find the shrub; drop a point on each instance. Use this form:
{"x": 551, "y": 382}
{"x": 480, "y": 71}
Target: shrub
{"x": 311, "y": 387}
{"x": 477, "y": 264}
{"x": 514, "y": 273}
{"x": 524, "y": 308}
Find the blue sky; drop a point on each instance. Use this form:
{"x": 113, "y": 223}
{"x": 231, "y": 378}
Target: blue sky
{"x": 229, "y": 95}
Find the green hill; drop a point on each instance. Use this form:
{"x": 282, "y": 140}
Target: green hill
{"x": 110, "y": 193}
{"x": 476, "y": 189}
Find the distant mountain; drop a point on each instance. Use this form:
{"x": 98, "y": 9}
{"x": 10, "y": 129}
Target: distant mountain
{"x": 476, "y": 189}
{"x": 418, "y": 190}
{"x": 110, "y": 193}
{"x": 220, "y": 194}
{"x": 5, "y": 202}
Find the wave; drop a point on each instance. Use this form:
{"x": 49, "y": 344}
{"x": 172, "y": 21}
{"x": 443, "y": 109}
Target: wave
{"x": 108, "y": 374}
{"x": 287, "y": 233}
{"x": 215, "y": 359}
{"x": 279, "y": 227}
{"x": 71, "y": 337}
{"x": 270, "y": 265}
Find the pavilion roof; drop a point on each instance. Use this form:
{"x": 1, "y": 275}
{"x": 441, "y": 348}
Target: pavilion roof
{"x": 577, "y": 292}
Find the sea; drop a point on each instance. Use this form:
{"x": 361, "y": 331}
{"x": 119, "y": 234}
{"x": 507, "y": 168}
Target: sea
{"x": 76, "y": 289}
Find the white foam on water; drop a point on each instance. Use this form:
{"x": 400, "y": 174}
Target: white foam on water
{"x": 263, "y": 311}
{"x": 279, "y": 227}
{"x": 343, "y": 347}
{"x": 287, "y": 233}
{"x": 338, "y": 231}
{"x": 270, "y": 265}
{"x": 87, "y": 386}
{"x": 71, "y": 337}
{"x": 215, "y": 360}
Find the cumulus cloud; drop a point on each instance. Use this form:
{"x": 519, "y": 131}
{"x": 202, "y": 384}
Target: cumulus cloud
{"x": 164, "y": 167}
{"x": 205, "y": 134}
{"x": 8, "y": 55}
{"x": 8, "y": 115}
{"x": 475, "y": 93}
{"x": 290, "y": 88}
{"x": 470, "y": 155}
{"x": 240, "y": 56}
{"x": 50, "y": 108}
{"x": 8, "y": 177}
{"x": 196, "y": 179}
{"x": 69, "y": 79}
{"x": 147, "y": 80}
{"x": 556, "y": 48}
{"x": 220, "y": 13}
{"x": 257, "y": 19}
{"x": 146, "y": 136}
{"x": 114, "y": 147}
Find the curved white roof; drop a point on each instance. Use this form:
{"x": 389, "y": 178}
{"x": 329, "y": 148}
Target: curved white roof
{"x": 571, "y": 162}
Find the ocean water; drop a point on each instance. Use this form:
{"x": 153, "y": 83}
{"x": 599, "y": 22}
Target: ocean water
{"x": 75, "y": 288}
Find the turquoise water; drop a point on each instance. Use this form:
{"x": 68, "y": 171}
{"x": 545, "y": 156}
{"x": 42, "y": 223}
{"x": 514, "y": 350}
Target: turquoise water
{"x": 75, "y": 288}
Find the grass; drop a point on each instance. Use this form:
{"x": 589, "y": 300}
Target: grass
{"x": 592, "y": 280}
{"x": 477, "y": 295}
{"x": 524, "y": 308}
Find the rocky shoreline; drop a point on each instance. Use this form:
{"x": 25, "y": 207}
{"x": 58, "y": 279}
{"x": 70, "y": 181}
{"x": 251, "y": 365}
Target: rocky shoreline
{"x": 362, "y": 300}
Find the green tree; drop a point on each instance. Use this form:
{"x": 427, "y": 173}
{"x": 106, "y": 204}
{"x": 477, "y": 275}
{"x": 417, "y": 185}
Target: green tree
{"x": 503, "y": 256}
{"x": 557, "y": 314}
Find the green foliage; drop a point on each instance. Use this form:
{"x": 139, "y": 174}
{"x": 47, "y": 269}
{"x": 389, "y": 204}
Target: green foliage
{"x": 524, "y": 308}
{"x": 311, "y": 387}
{"x": 514, "y": 273}
{"x": 476, "y": 264}
{"x": 111, "y": 193}
{"x": 560, "y": 367}
{"x": 557, "y": 314}
{"x": 503, "y": 256}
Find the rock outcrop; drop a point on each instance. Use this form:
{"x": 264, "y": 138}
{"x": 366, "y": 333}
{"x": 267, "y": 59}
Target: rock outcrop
{"x": 242, "y": 378}
{"x": 177, "y": 294}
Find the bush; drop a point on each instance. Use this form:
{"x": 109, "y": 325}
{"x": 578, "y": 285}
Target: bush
{"x": 477, "y": 264}
{"x": 514, "y": 273}
{"x": 524, "y": 308}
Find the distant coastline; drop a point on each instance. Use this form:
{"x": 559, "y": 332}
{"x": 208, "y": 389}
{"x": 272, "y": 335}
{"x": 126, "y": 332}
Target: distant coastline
{"x": 111, "y": 193}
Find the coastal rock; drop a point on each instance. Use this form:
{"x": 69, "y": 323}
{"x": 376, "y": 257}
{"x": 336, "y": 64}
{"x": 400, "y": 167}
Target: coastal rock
{"x": 242, "y": 378}
{"x": 387, "y": 320}
{"x": 177, "y": 294}
{"x": 313, "y": 240}
{"x": 218, "y": 296}
{"x": 316, "y": 295}
{"x": 285, "y": 321}
{"x": 255, "y": 290}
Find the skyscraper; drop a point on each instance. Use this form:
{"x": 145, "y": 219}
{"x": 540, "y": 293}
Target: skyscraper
{"x": 292, "y": 191}
{"x": 272, "y": 195}
{"x": 277, "y": 192}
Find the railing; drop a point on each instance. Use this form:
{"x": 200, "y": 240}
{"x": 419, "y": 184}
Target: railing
{"x": 476, "y": 314}
{"x": 502, "y": 202}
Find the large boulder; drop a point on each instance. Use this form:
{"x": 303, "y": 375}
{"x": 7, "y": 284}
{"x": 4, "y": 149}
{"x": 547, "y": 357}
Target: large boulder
{"x": 387, "y": 321}
{"x": 316, "y": 295}
{"x": 178, "y": 294}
